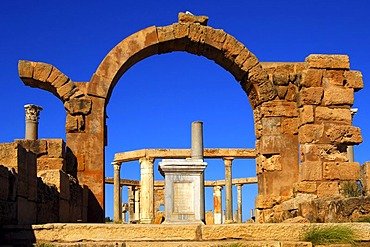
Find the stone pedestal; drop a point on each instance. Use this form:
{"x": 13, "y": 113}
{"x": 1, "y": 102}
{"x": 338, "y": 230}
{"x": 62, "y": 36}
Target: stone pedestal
{"x": 184, "y": 190}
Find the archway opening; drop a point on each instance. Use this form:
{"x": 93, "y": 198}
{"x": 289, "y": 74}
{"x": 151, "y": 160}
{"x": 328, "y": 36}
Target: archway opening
{"x": 156, "y": 101}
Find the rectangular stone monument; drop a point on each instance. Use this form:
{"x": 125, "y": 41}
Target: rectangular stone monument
{"x": 184, "y": 184}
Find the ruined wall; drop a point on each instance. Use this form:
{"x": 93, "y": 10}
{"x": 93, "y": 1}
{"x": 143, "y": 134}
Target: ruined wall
{"x": 35, "y": 186}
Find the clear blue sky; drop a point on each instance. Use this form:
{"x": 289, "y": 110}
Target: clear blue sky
{"x": 155, "y": 102}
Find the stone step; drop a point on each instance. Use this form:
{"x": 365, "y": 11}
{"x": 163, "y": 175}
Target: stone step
{"x": 224, "y": 243}
{"x": 280, "y": 234}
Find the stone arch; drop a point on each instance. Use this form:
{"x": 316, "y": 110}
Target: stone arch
{"x": 275, "y": 112}
{"x": 215, "y": 44}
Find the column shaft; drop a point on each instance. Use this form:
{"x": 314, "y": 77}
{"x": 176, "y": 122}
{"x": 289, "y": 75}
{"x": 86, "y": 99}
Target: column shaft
{"x": 131, "y": 203}
{"x": 147, "y": 191}
{"x": 240, "y": 215}
{"x": 217, "y": 204}
{"x": 116, "y": 198}
{"x": 228, "y": 190}
{"x": 137, "y": 203}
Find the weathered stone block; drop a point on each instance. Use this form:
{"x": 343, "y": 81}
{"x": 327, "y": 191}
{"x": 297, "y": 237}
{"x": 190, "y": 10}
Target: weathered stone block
{"x": 327, "y": 61}
{"x": 279, "y": 108}
{"x": 188, "y": 18}
{"x": 310, "y": 171}
{"x": 344, "y": 134}
{"x": 311, "y": 78}
{"x": 282, "y": 91}
{"x": 56, "y": 148}
{"x": 58, "y": 178}
{"x": 265, "y": 202}
{"x": 25, "y": 68}
{"x": 37, "y": 147}
{"x": 341, "y": 170}
{"x": 64, "y": 211}
{"x": 26, "y": 211}
{"x": 74, "y": 123}
{"x": 280, "y": 79}
{"x": 47, "y": 163}
{"x": 310, "y": 96}
{"x": 310, "y": 133}
{"x": 353, "y": 79}
{"x": 338, "y": 96}
{"x": 323, "y": 152}
{"x": 270, "y": 163}
{"x": 333, "y": 77}
{"x": 306, "y": 114}
{"x": 289, "y": 126}
{"x": 4, "y": 183}
{"x": 305, "y": 187}
{"x": 328, "y": 189}
{"x": 292, "y": 93}
{"x": 326, "y": 114}
{"x": 65, "y": 90}
{"x": 271, "y": 126}
{"x": 42, "y": 71}
{"x": 270, "y": 144}
{"x": 78, "y": 106}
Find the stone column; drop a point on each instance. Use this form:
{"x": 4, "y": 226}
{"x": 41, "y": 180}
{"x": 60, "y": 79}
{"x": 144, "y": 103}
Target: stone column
{"x": 116, "y": 183}
{"x": 217, "y": 204}
{"x": 137, "y": 203}
{"x": 228, "y": 190}
{"x": 197, "y": 140}
{"x": 131, "y": 203}
{"x": 350, "y": 149}
{"x": 32, "y": 121}
{"x": 147, "y": 191}
{"x": 240, "y": 215}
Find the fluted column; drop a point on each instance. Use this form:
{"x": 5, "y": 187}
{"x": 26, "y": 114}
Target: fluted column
{"x": 217, "y": 204}
{"x": 147, "y": 191}
{"x": 116, "y": 182}
{"x": 228, "y": 190}
{"x": 240, "y": 215}
{"x": 32, "y": 121}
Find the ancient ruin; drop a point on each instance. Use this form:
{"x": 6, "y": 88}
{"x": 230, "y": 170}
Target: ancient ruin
{"x": 303, "y": 128}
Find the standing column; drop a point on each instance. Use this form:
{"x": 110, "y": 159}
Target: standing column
{"x": 228, "y": 190}
{"x": 131, "y": 203}
{"x": 240, "y": 215}
{"x": 137, "y": 203}
{"x": 116, "y": 182}
{"x": 147, "y": 191}
{"x": 217, "y": 204}
{"x": 32, "y": 121}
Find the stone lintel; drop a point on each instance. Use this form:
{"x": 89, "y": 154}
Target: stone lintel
{"x": 215, "y": 153}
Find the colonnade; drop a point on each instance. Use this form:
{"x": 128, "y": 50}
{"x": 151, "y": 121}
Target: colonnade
{"x": 141, "y": 194}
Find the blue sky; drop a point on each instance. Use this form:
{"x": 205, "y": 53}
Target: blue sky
{"x": 155, "y": 102}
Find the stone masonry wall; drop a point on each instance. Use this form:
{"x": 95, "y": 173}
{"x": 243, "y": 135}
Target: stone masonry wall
{"x": 35, "y": 186}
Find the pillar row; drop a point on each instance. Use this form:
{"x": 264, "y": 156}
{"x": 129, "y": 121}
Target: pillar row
{"x": 147, "y": 190}
{"x": 228, "y": 190}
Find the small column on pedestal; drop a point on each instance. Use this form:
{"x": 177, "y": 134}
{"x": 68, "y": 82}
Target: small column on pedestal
{"x": 32, "y": 121}
{"x": 240, "y": 215}
{"x": 217, "y": 204}
{"x": 117, "y": 197}
{"x": 147, "y": 191}
{"x": 228, "y": 190}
